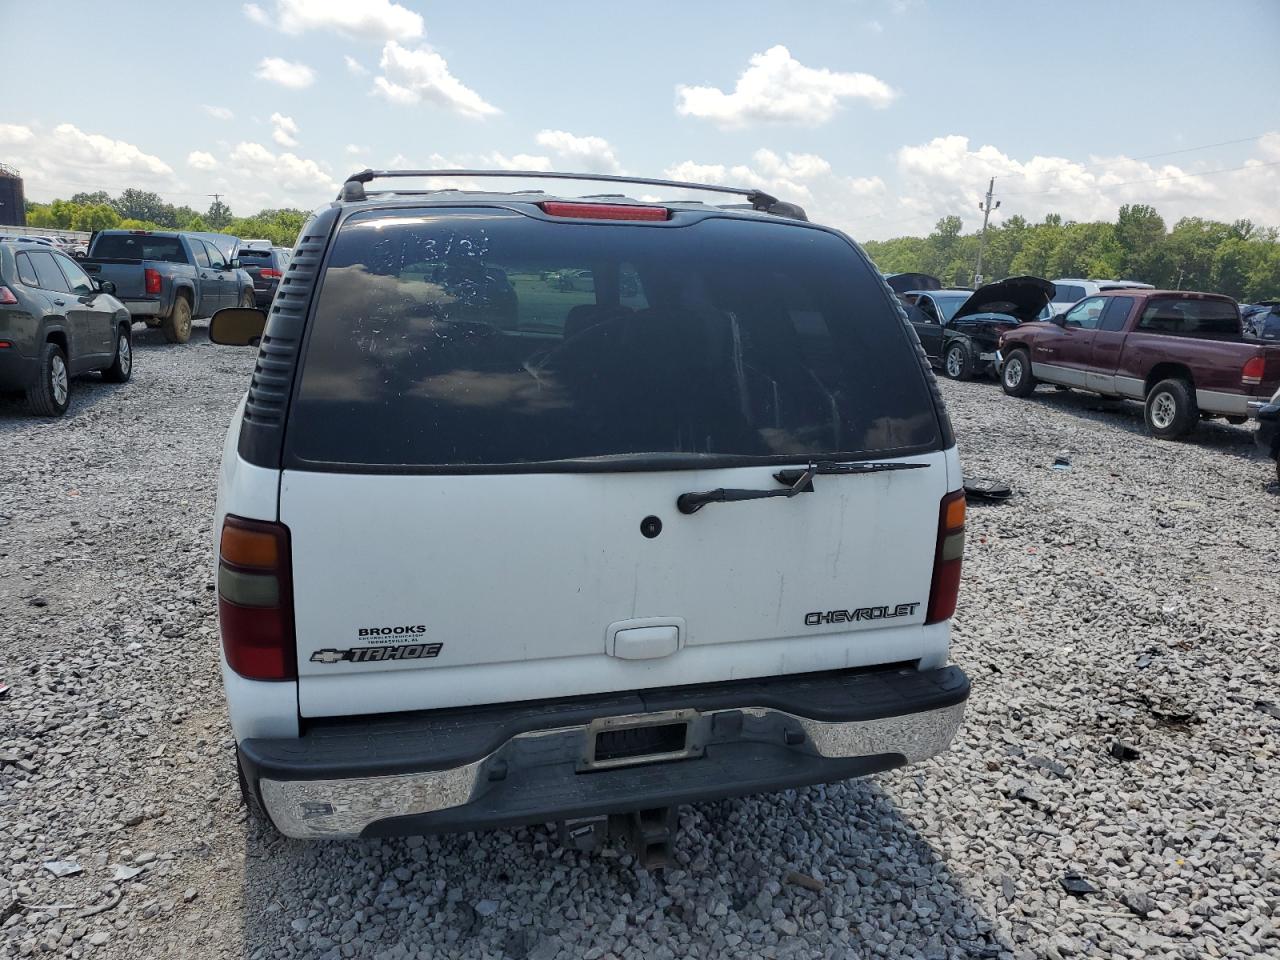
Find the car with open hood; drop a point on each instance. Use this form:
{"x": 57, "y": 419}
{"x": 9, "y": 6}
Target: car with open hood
{"x": 960, "y": 330}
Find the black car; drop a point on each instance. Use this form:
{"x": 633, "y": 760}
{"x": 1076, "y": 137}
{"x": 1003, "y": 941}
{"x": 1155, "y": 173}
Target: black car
{"x": 960, "y": 329}
{"x": 56, "y": 322}
{"x": 266, "y": 266}
{"x": 1261, "y": 321}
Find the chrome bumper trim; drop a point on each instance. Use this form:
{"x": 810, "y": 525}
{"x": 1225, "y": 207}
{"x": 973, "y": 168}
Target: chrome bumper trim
{"x": 343, "y": 808}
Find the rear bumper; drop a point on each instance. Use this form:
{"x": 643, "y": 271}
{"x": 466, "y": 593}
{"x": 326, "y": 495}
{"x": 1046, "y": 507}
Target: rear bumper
{"x": 489, "y": 767}
{"x": 143, "y": 308}
{"x": 16, "y": 371}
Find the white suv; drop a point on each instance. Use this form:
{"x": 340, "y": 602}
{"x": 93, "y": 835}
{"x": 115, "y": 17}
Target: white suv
{"x": 1068, "y": 291}
{"x": 496, "y": 549}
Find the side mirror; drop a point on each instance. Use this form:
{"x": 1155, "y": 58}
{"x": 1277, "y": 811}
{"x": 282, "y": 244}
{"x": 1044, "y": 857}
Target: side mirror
{"x": 1059, "y": 319}
{"x": 233, "y": 265}
{"x": 107, "y": 286}
{"x": 237, "y": 327}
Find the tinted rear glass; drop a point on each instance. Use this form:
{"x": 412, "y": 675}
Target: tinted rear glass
{"x": 485, "y": 337}
{"x": 128, "y": 246}
{"x": 1205, "y": 318}
{"x": 1067, "y": 293}
{"x": 245, "y": 255}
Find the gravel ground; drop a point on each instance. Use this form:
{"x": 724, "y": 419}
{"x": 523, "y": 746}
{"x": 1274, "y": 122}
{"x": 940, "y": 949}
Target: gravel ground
{"x": 1129, "y": 598}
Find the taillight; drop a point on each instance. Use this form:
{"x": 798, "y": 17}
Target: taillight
{"x": 603, "y": 211}
{"x": 270, "y": 274}
{"x": 152, "y": 280}
{"x": 6, "y": 297}
{"x": 255, "y": 599}
{"x": 947, "y": 558}
{"x": 1251, "y": 374}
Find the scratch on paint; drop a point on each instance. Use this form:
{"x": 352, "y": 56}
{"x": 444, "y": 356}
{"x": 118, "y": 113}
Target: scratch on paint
{"x": 782, "y": 585}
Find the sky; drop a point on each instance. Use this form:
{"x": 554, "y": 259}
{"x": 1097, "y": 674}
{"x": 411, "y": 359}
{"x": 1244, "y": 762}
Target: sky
{"x": 877, "y": 116}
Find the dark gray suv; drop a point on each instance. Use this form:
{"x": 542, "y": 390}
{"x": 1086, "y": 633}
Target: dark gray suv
{"x": 56, "y": 322}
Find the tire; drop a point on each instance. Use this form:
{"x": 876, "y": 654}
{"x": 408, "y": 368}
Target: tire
{"x": 51, "y": 394}
{"x": 1171, "y": 410}
{"x": 957, "y": 362}
{"x": 247, "y": 300}
{"x": 1015, "y": 375}
{"x": 177, "y": 326}
{"x": 121, "y": 368}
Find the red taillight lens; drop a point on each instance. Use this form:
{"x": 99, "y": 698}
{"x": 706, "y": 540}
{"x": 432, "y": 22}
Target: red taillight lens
{"x": 603, "y": 211}
{"x": 1252, "y": 372}
{"x": 6, "y": 297}
{"x": 270, "y": 274}
{"x": 152, "y": 280}
{"x": 947, "y": 558}
{"x": 255, "y": 599}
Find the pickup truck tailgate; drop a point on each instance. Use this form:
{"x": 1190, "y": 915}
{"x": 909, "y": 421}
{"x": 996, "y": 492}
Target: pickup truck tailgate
{"x": 128, "y": 276}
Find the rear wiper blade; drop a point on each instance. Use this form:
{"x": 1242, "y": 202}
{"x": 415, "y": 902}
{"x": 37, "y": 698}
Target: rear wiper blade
{"x": 797, "y": 482}
{"x": 790, "y": 477}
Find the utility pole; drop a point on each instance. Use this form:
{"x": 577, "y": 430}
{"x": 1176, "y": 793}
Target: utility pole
{"x": 986, "y": 209}
{"x": 217, "y": 197}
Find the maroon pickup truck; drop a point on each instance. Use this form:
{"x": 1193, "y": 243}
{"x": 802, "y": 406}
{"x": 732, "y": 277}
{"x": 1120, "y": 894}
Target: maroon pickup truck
{"x": 1182, "y": 353}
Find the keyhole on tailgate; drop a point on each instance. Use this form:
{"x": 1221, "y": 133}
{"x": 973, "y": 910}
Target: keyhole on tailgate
{"x": 651, "y": 526}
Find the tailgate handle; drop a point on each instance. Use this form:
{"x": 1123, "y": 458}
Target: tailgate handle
{"x": 645, "y": 639}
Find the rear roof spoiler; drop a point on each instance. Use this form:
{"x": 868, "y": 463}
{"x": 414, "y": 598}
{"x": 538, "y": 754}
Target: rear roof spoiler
{"x": 353, "y": 189}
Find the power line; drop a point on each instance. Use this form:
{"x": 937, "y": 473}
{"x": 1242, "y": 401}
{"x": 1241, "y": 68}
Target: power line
{"x": 1152, "y": 156}
{"x": 1125, "y": 183}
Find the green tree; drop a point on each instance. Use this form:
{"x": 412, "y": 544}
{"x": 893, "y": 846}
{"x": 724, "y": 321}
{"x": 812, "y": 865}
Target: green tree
{"x": 89, "y": 199}
{"x": 218, "y": 215}
{"x": 134, "y": 204}
{"x": 1140, "y": 232}
{"x": 95, "y": 216}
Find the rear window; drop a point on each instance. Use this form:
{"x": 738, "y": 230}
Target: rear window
{"x": 1067, "y": 293}
{"x": 130, "y": 246}
{"x": 487, "y": 338}
{"x": 246, "y": 255}
{"x": 1196, "y": 318}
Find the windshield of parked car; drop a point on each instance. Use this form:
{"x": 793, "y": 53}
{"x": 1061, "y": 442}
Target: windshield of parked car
{"x": 1191, "y": 317}
{"x": 949, "y": 305}
{"x": 134, "y": 246}
{"x": 1067, "y": 293}
{"x": 488, "y": 337}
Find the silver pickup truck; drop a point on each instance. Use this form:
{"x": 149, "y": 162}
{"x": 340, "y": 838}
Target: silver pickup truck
{"x": 169, "y": 279}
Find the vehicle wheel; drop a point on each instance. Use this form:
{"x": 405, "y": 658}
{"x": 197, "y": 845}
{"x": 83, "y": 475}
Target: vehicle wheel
{"x": 121, "y": 368}
{"x": 177, "y": 326}
{"x": 958, "y": 363}
{"x": 51, "y": 394}
{"x": 1236, "y": 421}
{"x": 1016, "y": 376}
{"x": 247, "y": 300}
{"x": 1171, "y": 409}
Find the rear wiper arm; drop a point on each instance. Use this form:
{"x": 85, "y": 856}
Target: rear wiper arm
{"x": 693, "y": 502}
{"x": 797, "y": 482}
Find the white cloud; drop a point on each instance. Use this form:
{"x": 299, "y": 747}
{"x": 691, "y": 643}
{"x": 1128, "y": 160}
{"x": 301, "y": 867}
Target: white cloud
{"x": 66, "y": 159}
{"x": 945, "y": 176}
{"x": 583, "y": 154}
{"x": 218, "y": 113}
{"x": 777, "y": 88}
{"x": 364, "y": 20}
{"x": 354, "y": 66}
{"x": 199, "y": 160}
{"x": 296, "y": 76}
{"x": 354, "y": 149}
{"x": 12, "y": 134}
{"x": 413, "y": 76}
{"x": 278, "y": 178}
{"x": 284, "y": 130}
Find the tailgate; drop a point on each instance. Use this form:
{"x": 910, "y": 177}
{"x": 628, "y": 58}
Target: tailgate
{"x": 127, "y": 275}
{"x": 479, "y": 589}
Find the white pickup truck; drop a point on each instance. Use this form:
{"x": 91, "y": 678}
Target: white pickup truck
{"x": 493, "y": 549}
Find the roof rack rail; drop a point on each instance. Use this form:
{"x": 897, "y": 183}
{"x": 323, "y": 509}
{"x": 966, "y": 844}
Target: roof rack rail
{"x": 353, "y": 188}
